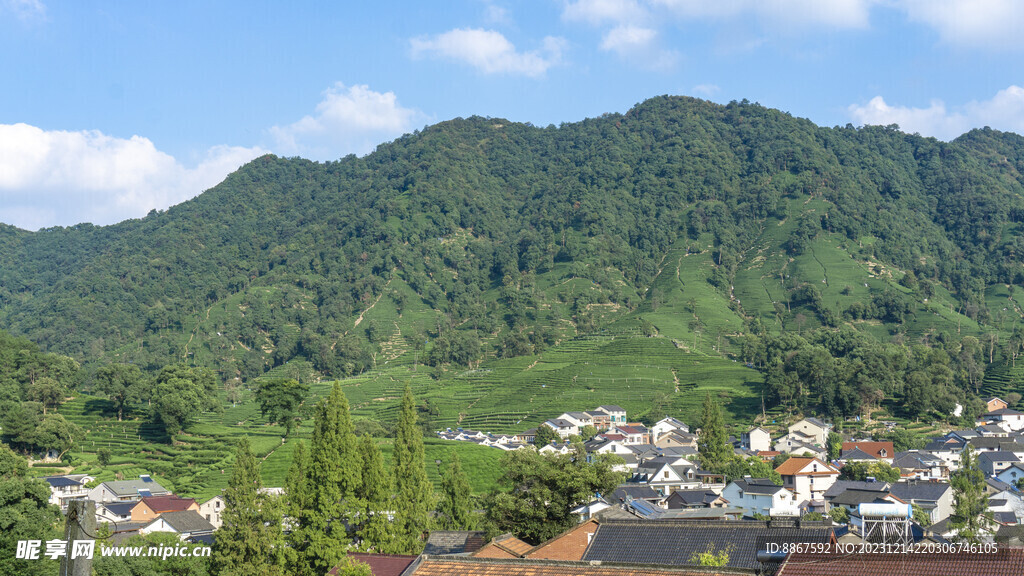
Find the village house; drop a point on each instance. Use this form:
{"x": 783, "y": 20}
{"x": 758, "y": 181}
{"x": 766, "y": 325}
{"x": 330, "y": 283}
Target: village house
{"x": 633, "y": 433}
{"x": 564, "y": 428}
{"x": 124, "y": 490}
{"x": 811, "y": 428}
{"x": 212, "y": 510}
{"x": 63, "y": 489}
{"x": 1007, "y": 419}
{"x": 921, "y": 465}
{"x": 757, "y": 439}
{"x": 187, "y": 524}
{"x": 808, "y": 478}
{"x": 1012, "y": 473}
{"x": 152, "y": 507}
{"x": 616, "y": 414}
{"x": 666, "y": 425}
{"x": 935, "y": 498}
{"x": 877, "y": 450}
{"x": 992, "y": 404}
{"x": 759, "y": 496}
{"x": 992, "y": 463}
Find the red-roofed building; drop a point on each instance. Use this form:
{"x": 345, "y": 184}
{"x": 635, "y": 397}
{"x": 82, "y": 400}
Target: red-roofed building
{"x": 880, "y": 450}
{"x": 380, "y": 564}
{"x": 153, "y": 506}
{"x": 808, "y": 478}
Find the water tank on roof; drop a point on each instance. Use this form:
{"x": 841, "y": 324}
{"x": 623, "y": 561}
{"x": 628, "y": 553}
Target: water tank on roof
{"x": 892, "y": 510}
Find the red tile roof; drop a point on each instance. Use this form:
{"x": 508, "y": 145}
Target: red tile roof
{"x": 1005, "y": 562}
{"x": 873, "y": 448}
{"x": 161, "y": 504}
{"x": 569, "y": 545}
{"x": 794, "y": 465}
{"x": 380, "y": 564}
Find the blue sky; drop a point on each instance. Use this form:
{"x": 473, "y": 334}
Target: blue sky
{"x": 111, "y": 109}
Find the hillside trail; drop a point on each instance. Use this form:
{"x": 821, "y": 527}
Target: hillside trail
{"x": 379, "y": 296}
{"x": 194, "y": 330}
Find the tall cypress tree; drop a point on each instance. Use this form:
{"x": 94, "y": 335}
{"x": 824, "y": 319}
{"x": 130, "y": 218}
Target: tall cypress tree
{"x": 455, "y": 511}
{"x": 296, "y": 489}
{"x": 376, "y": 530}
{"x": 415, "y": 497}
{"x": 970, "y": 512}
{"x": 334, "y": 481}
{"x": 249, "y": 542}
{"x": 713, "y": 444}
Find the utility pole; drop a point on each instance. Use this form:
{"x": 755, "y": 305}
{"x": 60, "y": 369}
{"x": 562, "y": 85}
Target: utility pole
{"x": 80, "y": 525}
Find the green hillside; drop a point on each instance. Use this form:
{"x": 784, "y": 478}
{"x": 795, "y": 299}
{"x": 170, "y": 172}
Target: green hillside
{"x": 510, "y": 272}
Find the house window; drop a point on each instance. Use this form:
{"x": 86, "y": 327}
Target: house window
{"x": 666, "y": 474}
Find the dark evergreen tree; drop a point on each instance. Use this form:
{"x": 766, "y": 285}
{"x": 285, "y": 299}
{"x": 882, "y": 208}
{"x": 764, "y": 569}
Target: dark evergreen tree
{"x": 415, "y": 494}
{"x": 713, "y": 443}
{"x": 455, "y": 509}
{"x": 249, "y": 542}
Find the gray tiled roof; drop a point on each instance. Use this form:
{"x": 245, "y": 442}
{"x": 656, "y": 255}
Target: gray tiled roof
{"x": 132, "y": 487}
{"x": 840, "y": 486}
{"x": 454, "y": 542}
{"x": 674, "y": 543}
{"x": 928, "y": 491}
{"x": 757, "y": 486}
{"x": 186, "y": 521}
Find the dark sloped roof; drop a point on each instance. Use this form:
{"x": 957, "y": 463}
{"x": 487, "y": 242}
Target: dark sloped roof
{"x": 120, "y": 508}
{"x": 691, "y": 497}
{"x": 61, "y": 481}
{"x": 629, "y": 491}
{"x": 840, "y": 486}
{"x": 998, "y": 456}
{"x": 853, "y": 497}
{"x": 856, "y": 454}
{"x": 908, "y": 491}
{"x": 186, "y": 521}
{"x": 468, "y": 566}
{"x": 757, "y": 486}
{"x": 380, "y": 564}
{"x": 454, "y": 542}
{"x": 674, "y": 543}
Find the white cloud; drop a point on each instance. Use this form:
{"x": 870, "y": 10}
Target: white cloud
{"x": 495, "y": 14}
{"x": 490, "y": 52}
{"x": 1005, "y": 111}
{"x": 597, "y": 12}
{"x": 785, "y": 13}
{"x": 706, "y": 90}
{"x": 628, "y": 38}
{"x": 25, "y": 10}
{"x": 52, "y": 178}
{"x": 348, "y": 120}
{"x": 973, "y": 23}
{"x": 639, "y": 45}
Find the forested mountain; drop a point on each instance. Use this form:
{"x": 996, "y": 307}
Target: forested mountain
{"x": 732, "y": 230}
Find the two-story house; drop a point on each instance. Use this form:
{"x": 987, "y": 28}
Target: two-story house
{"x": 808, "y": 478}
{"x": 63, "y": 489}
{"x": 666, "y": 425}
{"x": 811, "y": 428}
{"x": 759, "y": 496}
{"x": 757, "y": 440}
{"x": 152, "y": 507}
{"x": 616, "y": 414}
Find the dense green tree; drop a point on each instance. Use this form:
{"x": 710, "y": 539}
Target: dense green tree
{"x": 546, "y": 435}
{"x": 280, "y": 401}
{"x": 103, "y": 456}
{"x": 415, "y": 494}
{"x": 455, "y": 509}
{"x": 250, "y": 541}
{"x": 180, "y": 394}
{"x": 27, "y": 515}
{"x": 540, "y": 491}
{"x": 47, "y": 392}
{"x": 713, "y": 444}
{"x": 834, "y": 444}
{"x": 970, "y": 501}
{"x": 376, "y": 529}
{"x": 56, "y": 433}
{"x": 330, "y": 492}
{"x": 121, "y": 383}
{"x": 296, "y": 504}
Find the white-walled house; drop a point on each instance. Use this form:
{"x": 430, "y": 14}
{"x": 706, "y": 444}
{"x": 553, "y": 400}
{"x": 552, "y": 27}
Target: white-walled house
{"x": 212, "y": 509}
{"x": 123, "y": 490}
{"x": 1006, "y": 418}
{"x": 758, "y": 495}
{"x": 666, "y": 425}
{"x": 811, "y": 428}
{"x": 808, "y": 478}
{"x": 758, "y": 440}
